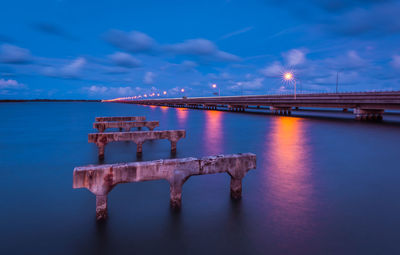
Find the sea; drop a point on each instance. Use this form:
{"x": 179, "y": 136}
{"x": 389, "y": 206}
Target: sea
{"x": 324, "y": 184}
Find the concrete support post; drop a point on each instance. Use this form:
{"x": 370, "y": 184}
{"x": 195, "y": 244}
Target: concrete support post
{"x": 175, "y": 195}
{"x": 236, "y": 188}
{"x": 101, "y": 207}
{"x": 101, "y": 128}
{"x": 139, "y": 128}
{"x": 173, "y": 146}
{"x": 139, "y": 148}
{"x": 120, "y": 129}
{"x": 101, "y": 147}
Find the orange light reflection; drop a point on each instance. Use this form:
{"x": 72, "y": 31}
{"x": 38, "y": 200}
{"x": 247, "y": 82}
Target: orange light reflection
{"x": 289, "y": 182}
{"x": 182, "y": 116}
{"x": 213, "y": 141}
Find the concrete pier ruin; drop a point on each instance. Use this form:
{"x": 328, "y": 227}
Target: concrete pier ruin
{"x": 125, "y": 125}
{"x": 101, "y": 179}
{"x": 102, "y": 139}
{"x": 121, "y": 118}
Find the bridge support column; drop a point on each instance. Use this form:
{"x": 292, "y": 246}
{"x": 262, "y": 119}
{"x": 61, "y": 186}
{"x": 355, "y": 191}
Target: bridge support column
{"x": 368, "y": 114}
{"x": 281, "y": 110}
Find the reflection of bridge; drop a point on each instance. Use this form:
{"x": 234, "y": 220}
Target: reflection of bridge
{"x": 366, "y": 105}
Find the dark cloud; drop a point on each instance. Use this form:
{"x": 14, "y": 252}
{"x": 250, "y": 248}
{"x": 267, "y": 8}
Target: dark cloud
{"x": 124, "y": 60}
{"x": 134, "y": 41}
{"x": 378, "y": 20}
{"x": 200, "y": 47}
{"x": 345, "y": 17}
{"x": 138, "y": 42}
{"x": 5, "y": 39}
{"x": 11, "y": 54}
{"x": 52, "y": 29}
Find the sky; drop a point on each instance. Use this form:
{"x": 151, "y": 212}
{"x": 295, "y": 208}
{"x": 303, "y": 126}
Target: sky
{"x": 71, "y": 49}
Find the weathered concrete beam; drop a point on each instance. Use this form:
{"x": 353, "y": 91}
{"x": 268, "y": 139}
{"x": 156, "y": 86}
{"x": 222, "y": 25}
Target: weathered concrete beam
{"x": 102, "y": 139}
{"x": 368, "y": 114}
{"x": 121, "y": 118}
{"x": 125, "y": 125}
{"x": 101, "y": 179}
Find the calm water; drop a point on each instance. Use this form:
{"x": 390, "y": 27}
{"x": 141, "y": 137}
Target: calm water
{"x": 322, "y": 186}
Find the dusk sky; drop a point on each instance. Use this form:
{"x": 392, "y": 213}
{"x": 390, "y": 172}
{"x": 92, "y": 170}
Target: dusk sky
{"x": 105, "y": 49}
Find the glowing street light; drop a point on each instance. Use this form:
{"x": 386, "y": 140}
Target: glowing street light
{"x": 165, "y": 92}
{"x": 289, "y": 77}
{"x": 182, "y": 90}
{"x": 158, "y": 94}
{"x": 214, "y": 86}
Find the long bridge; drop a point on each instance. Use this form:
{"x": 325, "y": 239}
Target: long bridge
{"x": 365, "y": 105}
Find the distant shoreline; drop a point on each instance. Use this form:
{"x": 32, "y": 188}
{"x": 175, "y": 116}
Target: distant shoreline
{"x": 46, "y": 100}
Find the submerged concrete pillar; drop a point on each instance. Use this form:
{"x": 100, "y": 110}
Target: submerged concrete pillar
{"x": 101, "y": 147}
{"x": 173, "y": 146}
{"x": 101, "y": 207}
{"x": 175, "y": 190}
{"x": 236, "y": 188}
{"x": 139, "y": 146}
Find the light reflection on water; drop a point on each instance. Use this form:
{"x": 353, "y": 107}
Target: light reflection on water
{"x": 181, "y": 115}
{"x": 213, "y": 135}
{"x": 289, "y": 182}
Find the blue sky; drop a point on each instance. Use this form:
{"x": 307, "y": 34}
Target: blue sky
{"x": 107, "y": 49}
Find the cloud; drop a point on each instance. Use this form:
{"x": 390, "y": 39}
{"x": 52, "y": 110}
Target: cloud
{"x": 10, "y": 84}
{"x": 6, "y": 39}
{"x": 238, "y": 32}
{"x": 350, "y": 60}
{"x": 148, "y": 78}
{"x": 134, "y": 41}
{"x": 101, "y": 90}
{"x": 200, "y": 47}
{"x": 274, "y": 70}
{"x": 12, "y": 54}
{"x": 379, "y": 20}
{"x": 52, "y": 29}
{"x": 256, "y": 83}
{"x": 124, "y": 60}
{"x": 295, "y": 57}
{"x": 72, "y": 70}
{"x": 395, "y": 63}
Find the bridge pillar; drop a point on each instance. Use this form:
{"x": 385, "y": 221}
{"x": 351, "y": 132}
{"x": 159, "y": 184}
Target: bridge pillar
{"x": 281, "y": 110}
{"x": 368, "y": 114}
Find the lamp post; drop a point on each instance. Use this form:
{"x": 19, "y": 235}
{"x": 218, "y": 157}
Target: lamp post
{"x": 288, "y": 76}
{"x": 219, "y": 89}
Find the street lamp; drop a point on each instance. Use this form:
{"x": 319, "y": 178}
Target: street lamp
{"x": 165, "y": 92}
{"x": 289, "y": 77}
{"x": 182, "y": 90}
{"x": 214, "y": 86}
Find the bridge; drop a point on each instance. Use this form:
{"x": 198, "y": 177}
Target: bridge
{"x": 365, "y": 105}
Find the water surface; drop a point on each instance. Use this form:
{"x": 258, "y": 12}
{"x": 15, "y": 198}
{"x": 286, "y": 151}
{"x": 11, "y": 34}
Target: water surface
{"x": 322, "y": 185}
